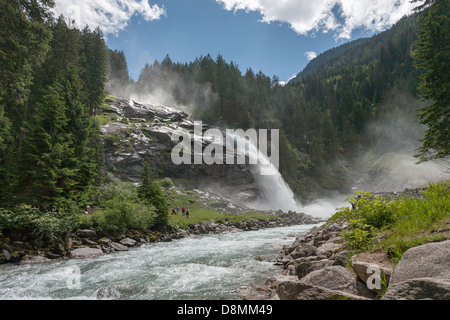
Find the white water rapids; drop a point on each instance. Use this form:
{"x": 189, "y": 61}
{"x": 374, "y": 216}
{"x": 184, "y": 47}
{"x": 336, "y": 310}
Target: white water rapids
{"x": 209, "y": 267}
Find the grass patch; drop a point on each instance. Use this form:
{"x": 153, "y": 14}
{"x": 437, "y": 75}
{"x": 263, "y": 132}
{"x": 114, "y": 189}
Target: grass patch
{"x": 395, "y": 226}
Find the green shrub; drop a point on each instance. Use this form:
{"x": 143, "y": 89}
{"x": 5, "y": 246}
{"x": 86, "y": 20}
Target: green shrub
{"x": 120, "y": 214}
{"x": 167, "y": 183}
{"x": 49, "y": 226}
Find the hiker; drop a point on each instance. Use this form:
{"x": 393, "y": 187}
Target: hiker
{"x": 183, "y": 211}
{"x": 178, "y": 210}
{"x": 187, "y": 213}
{"x": 173, "y": 211}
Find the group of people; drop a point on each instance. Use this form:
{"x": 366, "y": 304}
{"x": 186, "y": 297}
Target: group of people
{"x": 184, "y": 211}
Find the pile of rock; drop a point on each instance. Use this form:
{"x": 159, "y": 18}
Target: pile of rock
{"x": 317, "y": 267}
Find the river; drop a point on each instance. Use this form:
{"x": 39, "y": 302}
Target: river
{"x": 210, "y": 267}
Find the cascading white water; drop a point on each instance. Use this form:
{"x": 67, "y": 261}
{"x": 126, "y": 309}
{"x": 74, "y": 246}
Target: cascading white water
{"x": 275, "y": 193}
{"x": 209, "y": 267}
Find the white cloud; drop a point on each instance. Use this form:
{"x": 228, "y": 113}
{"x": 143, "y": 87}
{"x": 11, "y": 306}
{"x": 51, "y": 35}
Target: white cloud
{"x": 306, "y": 16}
{"x": 311, "y": 55}
{"x": 111, "y": 16}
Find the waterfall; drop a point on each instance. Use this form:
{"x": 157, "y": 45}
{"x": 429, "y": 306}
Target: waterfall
{"x": 275, "y": 193}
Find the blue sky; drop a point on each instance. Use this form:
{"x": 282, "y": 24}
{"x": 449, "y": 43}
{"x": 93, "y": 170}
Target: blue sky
{"x": 269, "y": 36}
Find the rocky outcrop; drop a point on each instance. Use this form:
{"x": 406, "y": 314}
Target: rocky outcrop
{"x": 137, "y": 133}
{"x": 317, "y": 266}
{"x": 314, "y": 263}
{"x": 422, "y": 273}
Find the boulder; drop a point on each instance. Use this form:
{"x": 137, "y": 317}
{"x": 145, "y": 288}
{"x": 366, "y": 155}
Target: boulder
{"x": 118, "y": 247}
{"x": 341, "y": 258}
{"x": 305, "y": 266}
{"x": 298, "y": 290}
{"x": 422, "y": 273}
{"x": 28, "y": 259}
{"x": 84, "y": 253}
{"x": 303, "y": 250}
{"x": 431, "y": 260}
{"x": 362, "y": 262}
{"x": 87, "y": 233}
{"x": 128, "y": 242}
{"x": 328, "y": 249}
{"x": 4, "y": 256}
{"x": 419, "y": 289}
{"x": 333, "y": 278}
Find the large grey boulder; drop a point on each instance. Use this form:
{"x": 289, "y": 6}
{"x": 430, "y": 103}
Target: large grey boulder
{"x": 330, "y": 283}
{"x": 85, "y": 253}
{"x": 304, "y": 266}
{"x": 328, "y": 249}
{"x": 365, "y": 262}
{"x": 431, "y": 260}
{"x": 298, "y": 290}
{"x": 118, "y": 247}
{"x": 422, "y": 273}
{"x": 304, "y": 250}
{"x": 87, "y": 233}
{"x": 333, "y": 278}
{"x": 31, "y": 260}
{"x": 419, "y": 289}
{"x": 128, "y": 242}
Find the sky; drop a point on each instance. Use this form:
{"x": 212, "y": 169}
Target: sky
{"x": 277, "y": 37}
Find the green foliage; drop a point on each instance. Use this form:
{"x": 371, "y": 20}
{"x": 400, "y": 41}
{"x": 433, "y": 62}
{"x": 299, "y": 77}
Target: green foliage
{"x": 122, "y": 213}
{"x": 152, "y": 193}
{"x": 51, "y": 79}
{"x": 432, "y": 59}
{"x": 50, "y": 226}
{"x": 167, "y": 183}
{"x": 402, "y": 223}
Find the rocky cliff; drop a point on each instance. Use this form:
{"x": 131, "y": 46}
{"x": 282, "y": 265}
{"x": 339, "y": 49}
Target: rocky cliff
{"x": 134, "y": 133}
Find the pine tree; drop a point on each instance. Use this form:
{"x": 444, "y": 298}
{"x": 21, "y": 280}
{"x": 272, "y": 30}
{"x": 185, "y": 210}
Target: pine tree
{"x": 151, "y": 192}
{"x": 432, "y": 56}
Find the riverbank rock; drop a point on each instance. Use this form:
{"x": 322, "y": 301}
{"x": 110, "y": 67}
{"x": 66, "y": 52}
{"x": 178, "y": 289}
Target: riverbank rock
{"x": 364, "y": 262}
{"x": 422, "y": 273}
{"x": 298, "y": 290}
{"x": 84, "y": 253}
{"x": 31, "y": 260}
{"x": 87, "y": 233}
{"x": 128, "y": 242}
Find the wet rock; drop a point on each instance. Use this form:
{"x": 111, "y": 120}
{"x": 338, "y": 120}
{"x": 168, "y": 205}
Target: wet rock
{"x": 118, "y": 247}
{"x": 4, "y": 256}
{"x": 84, "y": 253}
{"x": 31, "y": 260}
{"x": 87, "y": 233}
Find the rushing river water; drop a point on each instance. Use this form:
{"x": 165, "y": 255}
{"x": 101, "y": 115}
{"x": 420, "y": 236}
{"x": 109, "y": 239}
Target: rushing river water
{"x": 209, "y": 267}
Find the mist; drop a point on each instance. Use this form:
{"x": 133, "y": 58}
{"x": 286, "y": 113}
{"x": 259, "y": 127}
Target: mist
{"x": 159, "y": 85}
{"x": 390, "y": 164}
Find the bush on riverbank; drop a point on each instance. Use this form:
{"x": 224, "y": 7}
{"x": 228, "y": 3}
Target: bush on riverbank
{"x": 396, "y": 225}
{"x": 27, "y": 223}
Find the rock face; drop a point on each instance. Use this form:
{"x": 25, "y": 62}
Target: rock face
{"x": 139, "y": 133}
{"x": 422, "y": 273}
